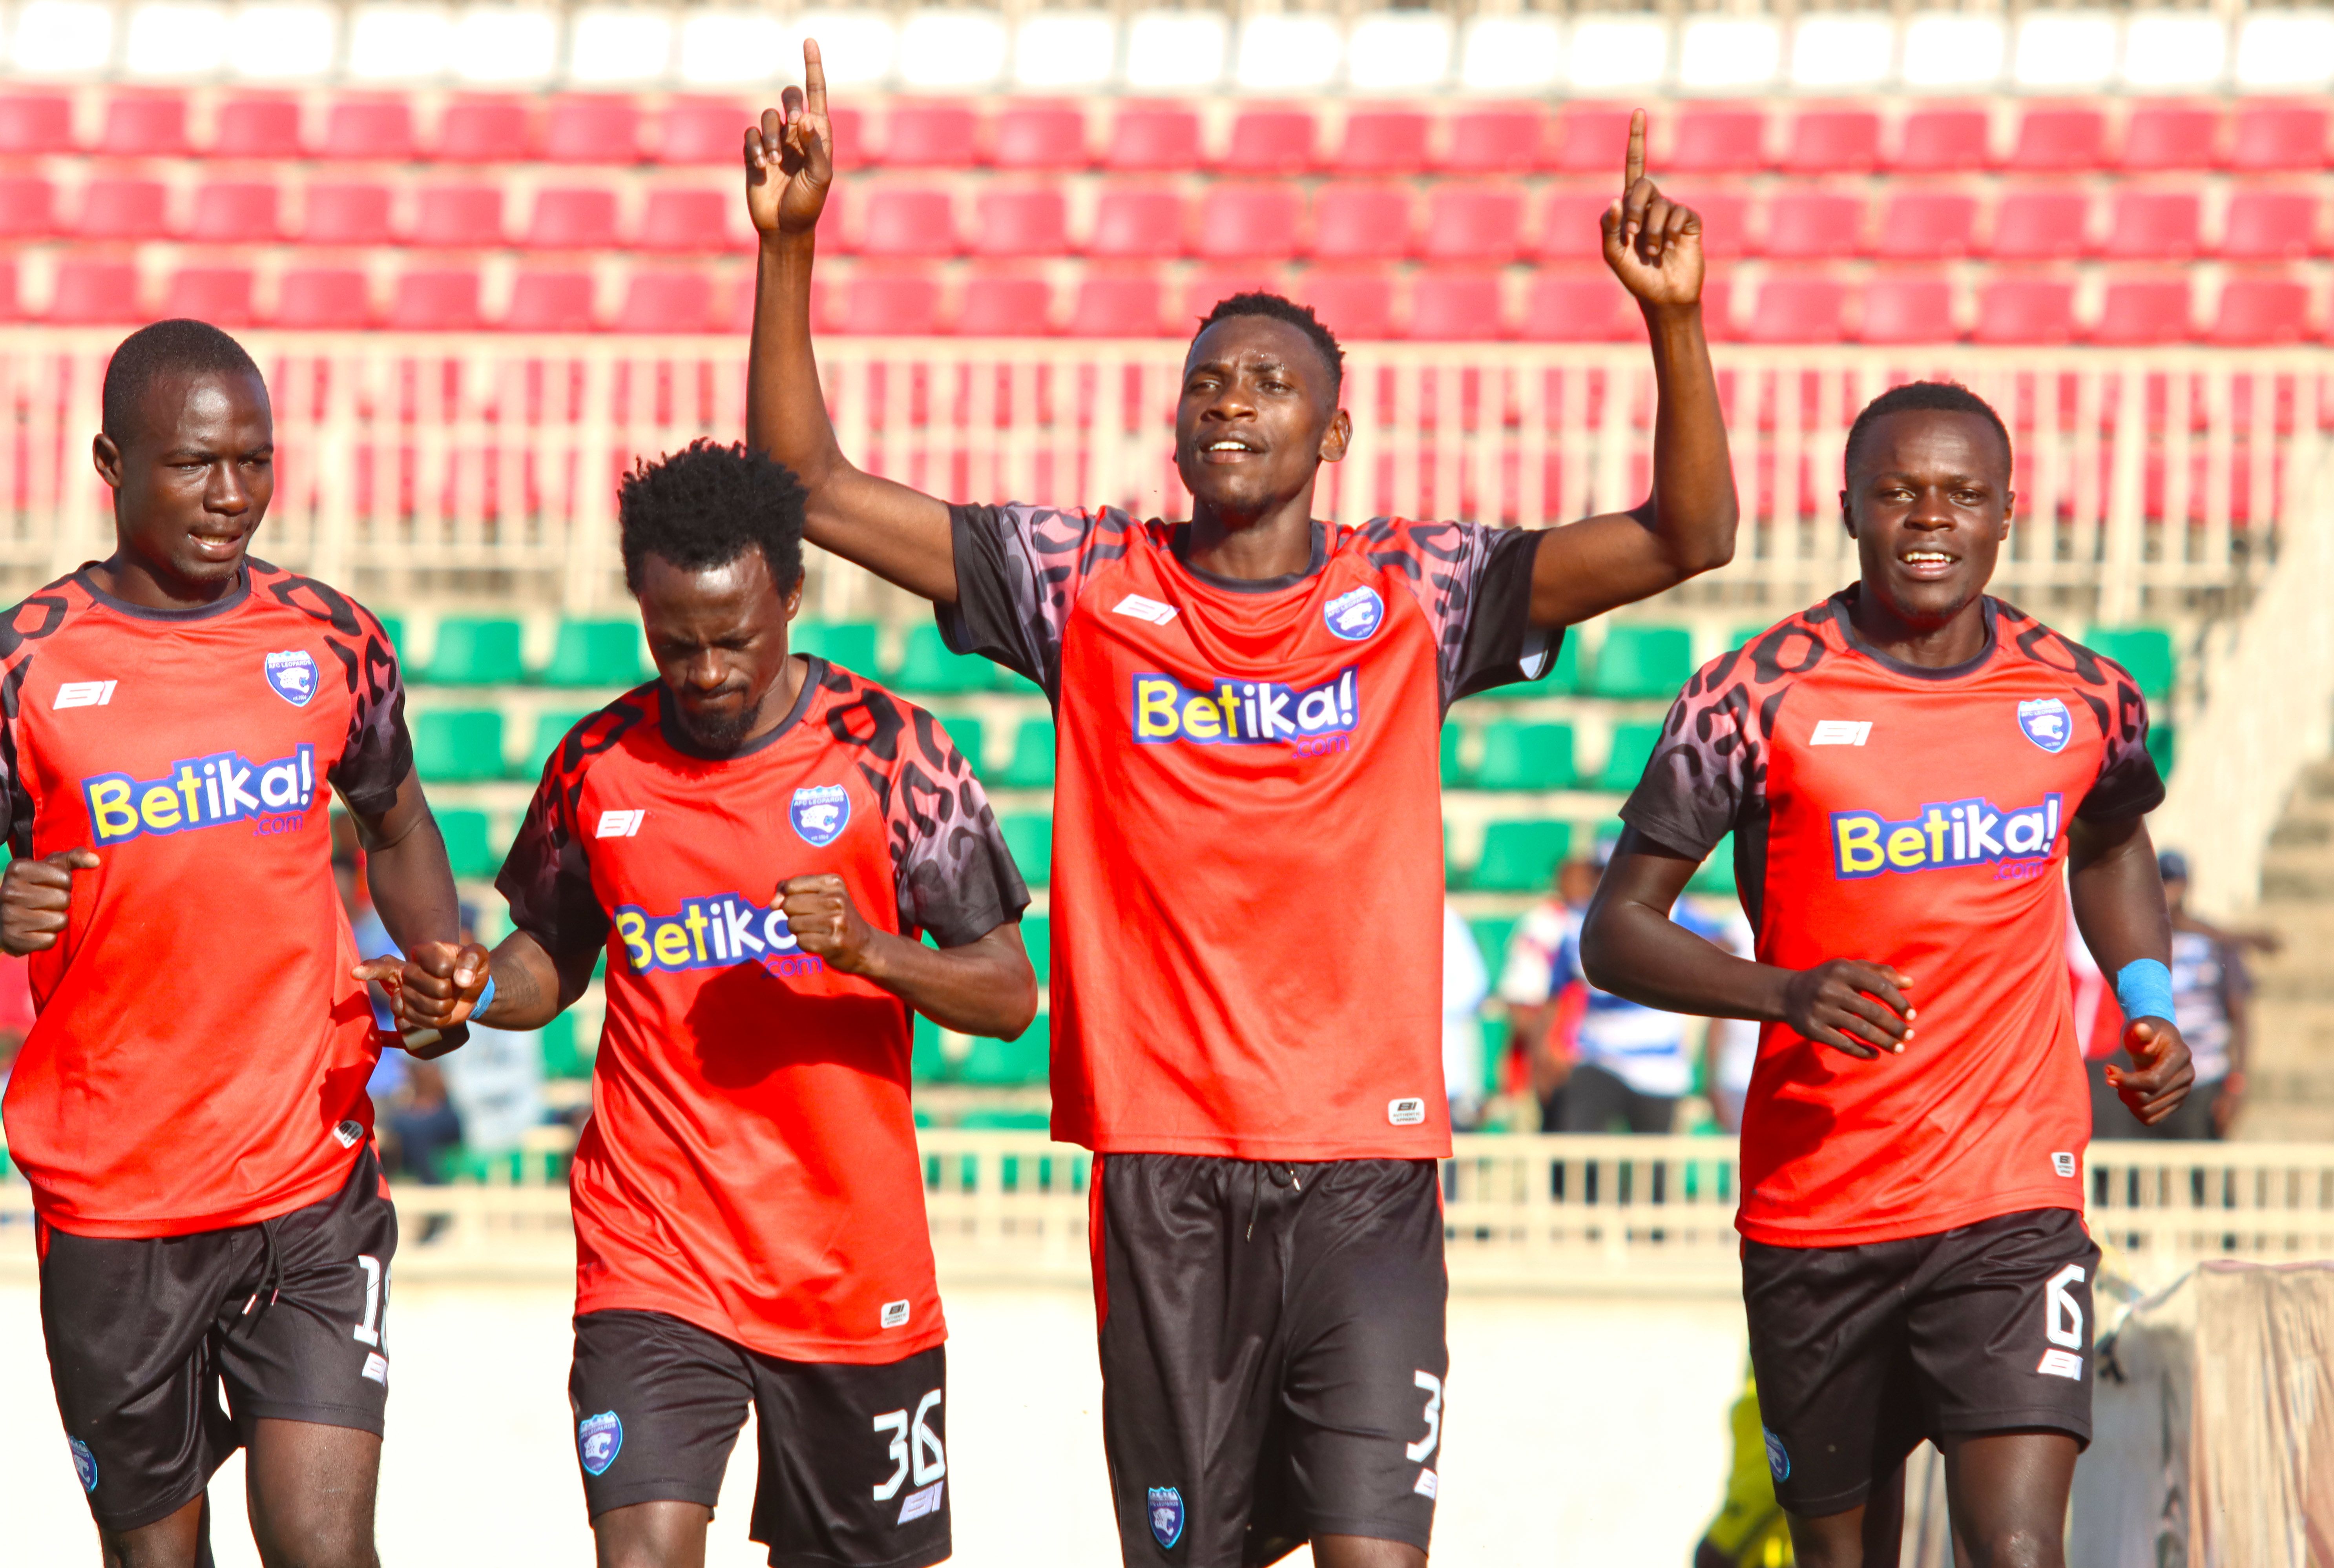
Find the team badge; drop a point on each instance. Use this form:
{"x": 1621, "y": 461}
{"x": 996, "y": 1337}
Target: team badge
{"x": 1354, "y": 614}
{"x": 1778, "y": 1459}
{"x": 293, "y": 676}
{"x": 820, "y": 813}
{"x": 599, "y": 1439}
{"x": 85, "y": 1464}
{"x": 2047, "y": 723}
{"x": 1166, "y": 1516}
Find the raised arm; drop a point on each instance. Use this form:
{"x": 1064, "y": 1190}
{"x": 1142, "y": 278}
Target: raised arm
{"x": 1686, "y": 526}
{"x": 900, "y": 534}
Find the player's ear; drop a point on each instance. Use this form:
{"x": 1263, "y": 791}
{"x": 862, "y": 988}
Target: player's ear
{"x": 794, "y": 600}
{"x": 107, "y": 456}
{"x": 2009, "y": 510}
{"x": 1846, "y": 515}
{"x": 1337, "y": 436}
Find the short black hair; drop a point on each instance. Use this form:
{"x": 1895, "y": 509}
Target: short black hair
{"x": 1261, "y": 303}
{"x": 706, "y": 504}
{"x": 1946, "y": 397}
{"x": 175, "y": 347}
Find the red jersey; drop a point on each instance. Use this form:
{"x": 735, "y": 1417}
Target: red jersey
{"x": 1915, "y": 818}
{"x": 200, "y": 1056}
{"x": 750, "y": 1165}
{"x": 1247, "y": 847}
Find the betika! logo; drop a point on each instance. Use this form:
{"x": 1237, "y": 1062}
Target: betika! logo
{"x": 713, "y": 933}
{"x": 1947, "y": 835}
{"x": 204, "y": 791}
{"x": 1248, "y": 712}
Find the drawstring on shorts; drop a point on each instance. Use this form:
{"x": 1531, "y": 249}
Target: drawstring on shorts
{"x": 270, "y": 1278}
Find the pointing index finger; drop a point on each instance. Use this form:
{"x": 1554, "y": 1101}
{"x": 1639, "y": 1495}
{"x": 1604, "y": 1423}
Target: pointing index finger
{"x": 1634, "y": 169}
{"x": 813, "y": 79}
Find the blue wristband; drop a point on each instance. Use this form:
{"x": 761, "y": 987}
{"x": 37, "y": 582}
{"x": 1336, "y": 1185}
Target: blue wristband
{"x": 487, "y": 995}
{"x": 2143, "y": 990}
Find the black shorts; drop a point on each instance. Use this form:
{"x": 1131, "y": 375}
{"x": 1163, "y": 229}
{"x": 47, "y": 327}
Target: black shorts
{"x": 289, "y": 1316}
{"x": 853, "y": 1458}
{"x": 1863, "y": 1351}
{"x": 1272, "y": 1353}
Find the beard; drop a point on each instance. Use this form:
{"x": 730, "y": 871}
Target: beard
{"x": 715, "y": 733}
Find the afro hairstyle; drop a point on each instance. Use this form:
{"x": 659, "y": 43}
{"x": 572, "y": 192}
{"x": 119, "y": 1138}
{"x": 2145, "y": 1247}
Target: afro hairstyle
{"x": 706, "y": 505}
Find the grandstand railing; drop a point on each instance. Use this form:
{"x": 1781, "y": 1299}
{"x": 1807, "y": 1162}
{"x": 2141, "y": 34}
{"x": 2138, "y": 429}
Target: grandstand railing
{"x": 483, "y": 466}
{"x": 1569, "y": 1215}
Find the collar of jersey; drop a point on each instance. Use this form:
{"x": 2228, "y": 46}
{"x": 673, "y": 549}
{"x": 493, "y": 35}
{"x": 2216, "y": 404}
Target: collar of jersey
{"x": 1845, "y": 597}
{"x": 673, "y": 737}
{"x": 1178, "y": 540}
{"x": 219, "y": 606}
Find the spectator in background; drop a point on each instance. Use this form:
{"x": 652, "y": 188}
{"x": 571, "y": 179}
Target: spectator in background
{"x": 1465, "y": 984}
{"x": 495, "y": 1083}
{"x": 1531, "y": 987}
{"x": 425, "y": 1124}
{"x": 2210, "y": 989}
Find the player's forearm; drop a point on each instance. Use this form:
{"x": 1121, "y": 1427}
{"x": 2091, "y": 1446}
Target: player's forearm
{"x": 408, "y": 874}
{"x": 2118, "y": 895}
{"x": 1638, "y": 953}
{"x": 985, "y": 987}
{"x": 1693, "y": 510}
{"x": 529, "y": 991}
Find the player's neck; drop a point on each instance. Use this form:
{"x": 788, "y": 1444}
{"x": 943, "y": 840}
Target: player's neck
{"x": 1277, "y": 543}
{"x": 1924, "y": 645}
{"x": 779, "y": 701}
{"x": 138, "y": 584}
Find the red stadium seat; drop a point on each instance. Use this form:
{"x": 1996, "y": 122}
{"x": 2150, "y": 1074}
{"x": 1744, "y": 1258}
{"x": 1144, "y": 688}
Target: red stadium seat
{"x": 1133, "y": 221}
{"x": 2136, "y": 313}
{"x": 568, "y": 219}
{"x": 144, "y": 125}
{"x": 1355, "y": 222}
{"x": 2279, "y": 136}
{"x": 1020, "y": 222}
{"x": 2016, "y": 310}
{"x": 256, "y": 127}
{"x": 1153, "y": 136}
{"x": 12, "y": 307}
{"x": 1382, "y": 141}
{"x": 1496, "y": 141}
{"x": 1725, "y": 220}
{"x": 435, "y": 300}
{"x": 1815, "y": 224}
{"x": 2261, "y": 312}
{"x": 2161, "y": 136}
{"x": 1208, "y": 286}
{"x": 490, "y": 130}
{"x": 461, "y": 216}
{"x": 323, "y": 298}
{"x": 236, "y": 212}
{"x": 1046, "y": 136}
{"x": 930, "y": 136}
{"x": 2270, "y": 225}
{"x": 1582, "y": 307}
{"x": 1833, "y": 141}
{"x": 1798, "y": 310}
{"x": 1473, "y": 223}
{"x": 2038, "y": 226}
{"x": 1592, "y": 138}
{"x": 549, "y": 302}
{"x": 368, "y": 129}
{"x": 2153, "y": 225}
{"x": 1271, "y": 141}
{"x": 89, "y": 293}
{"x": 1927, "y": 226}
{"x": 33, "y": 123}
{"x": 124, "y": 209}
{"x": 28, "y": 207}
{"x": 693, "y": 131}
{"x": 908, "y": 221}
{"x": 220, "y": 296}
{"x": 670, "y": 302}
{"x": 1455, "y": 307}
{"x": 347, "y": 215}
{"x": 1116, "y": 305}
{"x": 2058, "y": 141}
{"x": 1571, "y": 226}
{"x": 592, "y": 129}
{"x": 1943, "y": 142}
{"x": 889, "y": 305}
{"x": 1718, "y": 141}
{"x": 1003, "y": 305}
{"x": 1356, "y": 305}
{"x": 1908, "y": 310}
{"x": 1249, "y": 222}
{"x": 695, "y": 222}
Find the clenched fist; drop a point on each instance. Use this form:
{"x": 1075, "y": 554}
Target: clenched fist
{"x": 824, "y": 921}
{"x": 34, "y": 897}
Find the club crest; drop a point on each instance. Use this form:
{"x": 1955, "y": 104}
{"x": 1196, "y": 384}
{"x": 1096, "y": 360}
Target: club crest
{"x": 291, "y": 675}
{"x": 1354, "y": 614}
{"x": 599, "y": 1439}
{"x": 1166, "y": 1508}
{"x": 820, "y": 813}
{"x": 2047, "y": 723}
{"x": 85, "y": 1464}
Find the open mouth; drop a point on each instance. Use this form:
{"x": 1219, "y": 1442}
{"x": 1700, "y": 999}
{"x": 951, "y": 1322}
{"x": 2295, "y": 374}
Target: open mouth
{"x": 1928, "y": 563}
{"x": 218, "y": 546}
{"x": 1226, "y": 449}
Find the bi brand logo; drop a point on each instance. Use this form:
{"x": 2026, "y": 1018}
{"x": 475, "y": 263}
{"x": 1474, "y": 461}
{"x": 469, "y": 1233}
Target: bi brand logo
{"x": 206, "y": 792}
{"x": 1944, "y": 835}
{"x": 1246, "y": 712}
{"x": 712, "y": 933}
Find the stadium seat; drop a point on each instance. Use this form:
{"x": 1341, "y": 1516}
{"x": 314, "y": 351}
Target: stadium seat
{"x": 1714, "y": 877}
{"x": 1642, "y": 662}
{"x": 970, "y": 739}
{"x": 1031, "y": 765}
{"x": 1717, "y": 141}
{"x": 549, "y": 302}
{"x": 849, "y": 643}
{"x": 1382, "y": 141}
{"x": 458, "y": 216}
{"x": 686, "y": 222}
{"x": 2270, "y": 225}
{"x": 1030, "y": 835}
{"x": 2143, "y": 650}
{"x": 699, "y": 131}
{"x": 144, "y": 125}
{"x": 368, "y": 129}
{"x": 2277, "y": 136}
{"x": 265, "y": 129}
{"x": 597, "y": 653}
{"x": 1037, "y": 938}
{"x": 1519, "y": 857}
{"x": 1020, "y": 222}
{"x": 1491, "y": 933}
{"x": 1039, "y": 135}
{"x": 1833, "y": 141}
{"x": 476, "y": 650}
{"x": 2153, "y": 225}
{"x": 887, "y": 304}
{"x": 2038, "y": 226}
{"x": 1814, "y": 225}
{"x": 113, "y": 209}
{"x": 1943, "y": 142}
{"x": 2163, "y": 745}
{"x": 1571, "y": 226}
{"x": 1021, "y": 1062}
{"x": 2168, "y": 136}
{"x": 927, "y": 1062}
{"x": 2058, "y": 141}
{"x": 1245, "y": 222}
{"x": 562, "y": 1058}
{"x": 492, "y": 131}
{"x": 1208, "y": 286}
{"x": 999, "y": 305}
{"x": 926, "y": 665}
{"x": 2134, "y": 313}
{"x": 1495, "y": 141}
{"x": 236, "y": 212}
{"x": 1355, "y": 303}
{"x": 1576, "y": 308}
{"x": 1355, "y": 222}
{"x": 908, "y": 221}
{"x": 1798, "y": 310}
{"x": 1525, "y": 757}
{"x": 435, "y": 300}
{"x": 220, "y": 296}
{"x": 2015, "y": 310}
{"x": 324, "y": 298}
{"x": 1927, "y": 226}
{"x": 571, "y": 218}
{"x": 1908, "y": 310}
{"x": 2261, "y": 313}
{"x": 350, "y": 215}
{"x": 458, "y": 745}
{"x": 1454, "y": 774}
{"x": 469, "y": 843}
{"x": 1269, "y": 141}
{"x": 1138, "y": 221}
{"x": 1153, "y": 136}
{"x": 1481, "y": 224}
{"x": 1456, "y": 306}
{"x": 1626, "y": 759}
{"x": 1109, "y": 306}
{"x": 28, "y": 207}
{"x": 1725, "y": 222}
{"x": 848, "y": 127}
{"x": 930, "y": 136}
{"x": 1591, "y": 138}
{"x": 33, "y": 124}
{"x": 89, "y": 293}
{"x": 595, "y": 129}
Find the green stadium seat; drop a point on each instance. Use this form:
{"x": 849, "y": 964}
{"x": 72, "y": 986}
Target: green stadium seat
{"x": 1001, "y": 1119}
{"x": 1644, "y": 661}
{"x": 1562, "y": 679}
{"x": 1037, "y": 937}
{"x": 926, "y": 1064}
{"x": 1715, "y": 875}
{"x": 1016, "y": 1063}
{"x": 1454, "y": 776}
{"x": 1633, "y": 748}
{"x": 849, "y": 643}
{"x": 597, "y": 653}
{"x": 1031, "y": 767}
{"x": 562, "y": 1057}
{"x": 1491, "y": 934}
{"x": 458, "y": 745}
{"x": 1520, "y": 857}
{"x": 971, "y": 737}
{"x": 1030, "y": 836}
{"x": 551, "y": 728}
{"x": 1526, "y": 756}
{"x": 926, "y": 665}
{"x": 469, "y": 843}
{"x": 474, "y": 651}
{"x": 2163, "y": 744}
{"x": 2145, "y": 650}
